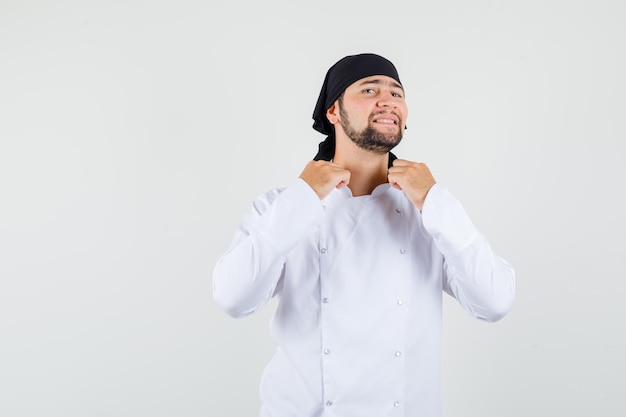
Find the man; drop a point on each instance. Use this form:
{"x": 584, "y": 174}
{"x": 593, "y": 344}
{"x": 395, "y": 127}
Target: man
{"x": 359, "y": 250}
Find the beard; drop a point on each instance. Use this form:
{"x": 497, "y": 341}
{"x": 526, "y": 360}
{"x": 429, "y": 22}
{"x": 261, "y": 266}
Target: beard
{"x": 369, "y": 138}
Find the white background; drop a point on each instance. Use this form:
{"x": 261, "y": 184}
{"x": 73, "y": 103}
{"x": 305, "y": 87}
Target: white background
{"x": 135, "y": 134}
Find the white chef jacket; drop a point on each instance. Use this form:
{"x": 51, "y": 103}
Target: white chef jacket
{"x": 359, "y": 280}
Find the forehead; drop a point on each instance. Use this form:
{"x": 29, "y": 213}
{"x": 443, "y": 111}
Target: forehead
{"x": 382, "y": 80}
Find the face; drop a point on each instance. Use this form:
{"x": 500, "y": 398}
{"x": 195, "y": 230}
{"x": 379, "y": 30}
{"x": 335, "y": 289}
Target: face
{"x": 372, "y": 112}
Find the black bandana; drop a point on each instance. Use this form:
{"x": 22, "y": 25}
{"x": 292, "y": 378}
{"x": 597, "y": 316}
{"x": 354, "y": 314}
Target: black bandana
{"x": 339, "y": 77}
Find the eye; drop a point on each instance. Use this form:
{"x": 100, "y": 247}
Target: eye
{"x": 369, "y": 91}
{"x": 397, "y": 95}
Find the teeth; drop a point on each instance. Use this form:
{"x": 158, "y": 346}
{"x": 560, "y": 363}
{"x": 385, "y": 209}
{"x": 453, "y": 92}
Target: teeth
{"x": 385, "y": 121}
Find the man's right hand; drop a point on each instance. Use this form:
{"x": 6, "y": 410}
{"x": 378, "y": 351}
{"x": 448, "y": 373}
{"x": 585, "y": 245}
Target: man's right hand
{"x": 323, "y": 176}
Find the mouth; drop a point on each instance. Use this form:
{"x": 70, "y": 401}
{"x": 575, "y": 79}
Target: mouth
{"x": 386, "y": 119}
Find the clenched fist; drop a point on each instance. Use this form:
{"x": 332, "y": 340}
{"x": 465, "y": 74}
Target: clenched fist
{"x": 323, "y": 176}
{"x": 413, "y": 178}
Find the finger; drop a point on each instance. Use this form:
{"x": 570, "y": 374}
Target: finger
{"x": 404, "y": 163}
{"x": 345, "y": 177}
{"x": 401, "y": 163}
{"x": 394, "y": 180}
{"x": 397, "y": 170}
{"x": 396, "y": 185}
{"x": 341, "y": 185}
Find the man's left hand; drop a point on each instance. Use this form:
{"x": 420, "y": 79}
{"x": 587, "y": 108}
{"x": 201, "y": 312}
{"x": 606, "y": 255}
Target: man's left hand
{"x": 414, "y": 178}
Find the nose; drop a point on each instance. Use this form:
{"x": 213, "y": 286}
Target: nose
{"x": 387, "y": 99}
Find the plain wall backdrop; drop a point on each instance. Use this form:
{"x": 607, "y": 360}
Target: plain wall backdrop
{"x": 135, "y": 134}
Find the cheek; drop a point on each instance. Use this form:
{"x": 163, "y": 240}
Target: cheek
{"x": 404, "y": 109}
{"x": 358, "y": 115}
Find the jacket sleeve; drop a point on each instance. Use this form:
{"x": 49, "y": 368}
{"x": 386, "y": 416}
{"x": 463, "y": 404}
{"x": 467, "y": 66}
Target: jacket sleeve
{"x": 246, "y": 277}
{"x": 482, "y": 282}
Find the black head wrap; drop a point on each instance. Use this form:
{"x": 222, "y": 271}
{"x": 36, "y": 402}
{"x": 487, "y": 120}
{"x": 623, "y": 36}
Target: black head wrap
{"x": 339, "y": 77}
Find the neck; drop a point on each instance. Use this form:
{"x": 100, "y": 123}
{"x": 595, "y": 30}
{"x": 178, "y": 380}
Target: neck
{"x": 367, "y": 169}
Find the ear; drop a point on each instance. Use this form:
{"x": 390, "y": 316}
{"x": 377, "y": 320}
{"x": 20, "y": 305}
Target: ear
{"x": 332, "y": 114}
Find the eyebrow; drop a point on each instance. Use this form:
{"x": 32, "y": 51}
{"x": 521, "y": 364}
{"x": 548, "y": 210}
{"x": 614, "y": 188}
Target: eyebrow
{"x": 392, "y": 83}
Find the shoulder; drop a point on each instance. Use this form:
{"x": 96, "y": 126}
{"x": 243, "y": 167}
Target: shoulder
{"x": 293, "y": 197}
{"x": 263, "y": 201}
{"x": 298, "y": 191}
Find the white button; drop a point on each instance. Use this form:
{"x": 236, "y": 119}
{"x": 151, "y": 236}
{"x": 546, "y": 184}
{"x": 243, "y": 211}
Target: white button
{"x": 403, "y": 251}
{"x": 400, "y": 302}
{"x": 323, "y": 250}
{"x": 329, "y": 403}
{"x": 324, "y": 300}
{"x": 326, "y": 351}
{"x": 398, "y": 353}
{"x": 396, "y": 404}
